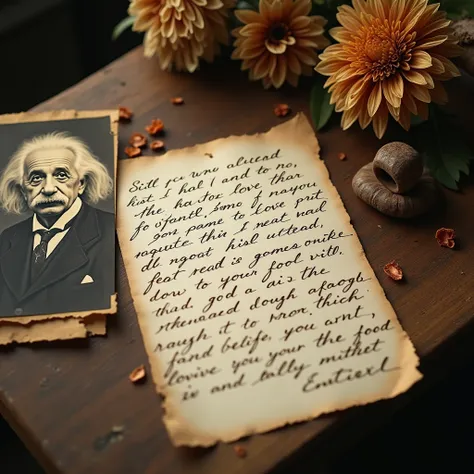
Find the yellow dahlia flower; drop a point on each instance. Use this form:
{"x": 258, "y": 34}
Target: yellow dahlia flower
{"x": 391, "y": 58}
{"x": 279, "y": 42}
{"x": 180, "y": 32}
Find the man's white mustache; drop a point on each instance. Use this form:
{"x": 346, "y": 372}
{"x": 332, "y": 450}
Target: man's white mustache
{"x": 41, "y": 202}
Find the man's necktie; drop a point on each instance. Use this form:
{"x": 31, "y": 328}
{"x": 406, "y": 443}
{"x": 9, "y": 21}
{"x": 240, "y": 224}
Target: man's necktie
{"x": 39, "y": 252}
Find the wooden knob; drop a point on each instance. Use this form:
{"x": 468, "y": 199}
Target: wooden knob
{"x": 398, "y": 167}
{"x": 421, "y": 198}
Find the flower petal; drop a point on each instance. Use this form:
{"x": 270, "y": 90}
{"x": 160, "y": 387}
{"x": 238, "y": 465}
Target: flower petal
{"x": 397, "y": 85}
{"x": 301, "y": 8}
{"x": 348, "y": 18}
{"x": 421, "y": 93}
{"x": 354, "y": 94}
{"x": 275, "y": 48}
{"x": 279, "y": 74}
{"x": 420, "y": 60}
{"x": 431, "y": 42}
{"x": 438, "y": 94}
{"x": 341, "y": 35}
{"x": 375, "y": 99}
{"x": 253, "y": 30}
{"x": 389, "y": 93}
{"x": 409, "y": 103}
{"x": 293, "y": 64}
{"x": 329, "y": 66}
{"x": 450, "y": 69}
{"x": 248, "y": 16}
{"x": 380, "y": 121}
{"x": 364, "y": 119}
{"x": 415, "y": 77}
{"x": 428, "y": 79}
{"x": 437, "y": 66}
{"x": 306, "y": 56}
{"x": 349, "y": 117}
{"x": 423, "y": 110}
{"x": 404, "y": 118}
{"x": 394, "y": 112}
{"x": 262, "y": 67}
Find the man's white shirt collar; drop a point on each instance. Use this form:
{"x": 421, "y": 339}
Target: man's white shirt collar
{"x": 61, "y": 223}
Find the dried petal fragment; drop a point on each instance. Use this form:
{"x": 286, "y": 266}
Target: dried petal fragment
{"x": 445, "y": 237}
{"x": 157, "y": 145}
{"x": 132, "y": 152}
{"x": 155, "y": 127}
{"x": 282, "y": 110}
{"x": 138, "y": 140}
{"x": 177, "y": 101}
{"x": 125, "y": 114}
{"x": 137, "y": 374}
{"x": 240, "y": 451}
{"x": 342, "y": 156}
{"x": 393, "y": 270}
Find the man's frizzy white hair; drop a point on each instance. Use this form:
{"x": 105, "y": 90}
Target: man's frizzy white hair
{"x": 98, "y": 183}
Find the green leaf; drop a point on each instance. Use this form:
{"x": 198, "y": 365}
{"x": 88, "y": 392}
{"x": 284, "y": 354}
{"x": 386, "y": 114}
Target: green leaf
{"x": 243, "y": 5}
{"x": 458, "y": 8}
{"x": 446, "y": 179}
{"x": 416, "y": 120}
{"x": 444, "y": 150}
{"x": 321, "y": 109}
{"x": 456, "y": 164}
{"x": 122, "y": 26}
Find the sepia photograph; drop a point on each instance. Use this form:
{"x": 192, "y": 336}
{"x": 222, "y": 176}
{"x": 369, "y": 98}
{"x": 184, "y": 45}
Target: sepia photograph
{"x": 57, "y": 218}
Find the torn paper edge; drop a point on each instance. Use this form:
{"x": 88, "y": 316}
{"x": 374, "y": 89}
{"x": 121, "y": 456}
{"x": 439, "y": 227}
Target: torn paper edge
{"x": 99, "y": 326}
{"x": 183, "y": 435}
{"x": 23, "y": 117}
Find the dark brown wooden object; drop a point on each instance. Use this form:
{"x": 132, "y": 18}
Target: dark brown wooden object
{"x": 72, "y": 402}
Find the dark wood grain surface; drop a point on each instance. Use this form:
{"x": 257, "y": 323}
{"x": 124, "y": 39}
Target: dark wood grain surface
{"x": 72, "y": 403}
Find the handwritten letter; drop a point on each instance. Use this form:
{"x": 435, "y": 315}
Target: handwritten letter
{"x": 256, "y": 302}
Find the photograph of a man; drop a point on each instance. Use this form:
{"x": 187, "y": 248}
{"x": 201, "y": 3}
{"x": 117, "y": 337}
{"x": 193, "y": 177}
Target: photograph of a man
{"x": 60, "y": 256}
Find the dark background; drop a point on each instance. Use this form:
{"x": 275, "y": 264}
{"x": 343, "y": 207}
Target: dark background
{"x": 95, "y": 132}
{"x": 47, "y": 46}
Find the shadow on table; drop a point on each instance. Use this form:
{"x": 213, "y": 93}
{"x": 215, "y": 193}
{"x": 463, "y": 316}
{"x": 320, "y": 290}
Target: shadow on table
{"x": 430, "y": 435}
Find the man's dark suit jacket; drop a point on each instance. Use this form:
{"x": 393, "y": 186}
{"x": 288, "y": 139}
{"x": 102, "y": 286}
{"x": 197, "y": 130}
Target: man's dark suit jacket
{"x": 87, "y": 249}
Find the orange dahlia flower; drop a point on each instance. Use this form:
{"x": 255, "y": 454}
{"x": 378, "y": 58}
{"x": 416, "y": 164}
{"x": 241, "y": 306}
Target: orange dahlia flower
{"x": 279, "y": 42}
{"x": 181, "y": 32}
{"x": 391, "y": 58}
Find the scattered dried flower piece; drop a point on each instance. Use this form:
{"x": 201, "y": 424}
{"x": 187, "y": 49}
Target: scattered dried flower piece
{"x": 157, "y": 145}
{"x": 125, "y": 114}
{"x": 342, "y": 156}
{"x": 137, "y": 374}
{"x": 393, "y": 270}
{"x": 240, "y": 451}
{"x": 445, "y": 237}
{"x": 138, "y": 140}
{"x": 282, "y": 110}
{"x": 210, "y": 155}
{"x": 177, "y": 101}
{"x": 132, "y": 152}
{"x": 156, "y": 126}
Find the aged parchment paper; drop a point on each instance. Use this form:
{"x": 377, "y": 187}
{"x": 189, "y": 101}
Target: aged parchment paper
{"x": 256, "y": 303}
{"x": 59, "y": 326}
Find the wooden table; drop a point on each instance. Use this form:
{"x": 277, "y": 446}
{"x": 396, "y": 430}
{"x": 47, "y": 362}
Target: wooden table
{"x": 72, "y": 403}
